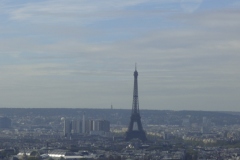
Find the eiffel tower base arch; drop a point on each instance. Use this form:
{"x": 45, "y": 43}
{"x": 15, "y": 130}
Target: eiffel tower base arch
{"x": 136, "y": 134}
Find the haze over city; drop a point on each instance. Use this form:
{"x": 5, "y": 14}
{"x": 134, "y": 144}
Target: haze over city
{"x": 82, "y": 54}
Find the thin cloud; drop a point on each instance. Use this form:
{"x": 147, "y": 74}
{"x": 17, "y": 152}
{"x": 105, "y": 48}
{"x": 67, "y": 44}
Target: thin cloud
{"x": 53, "y": 53}
{"x": 86, "y": 12}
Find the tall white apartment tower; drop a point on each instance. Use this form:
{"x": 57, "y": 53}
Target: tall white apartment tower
{"x": 67, "y": 127}
{"x": 83, "y": 124}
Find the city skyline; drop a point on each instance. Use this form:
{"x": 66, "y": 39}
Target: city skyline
{"x": 81, "y": 54}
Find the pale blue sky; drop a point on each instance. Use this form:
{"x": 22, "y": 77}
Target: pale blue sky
{"x": 81, "y": 53}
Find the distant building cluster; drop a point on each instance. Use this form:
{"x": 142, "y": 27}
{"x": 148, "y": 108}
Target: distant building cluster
{"x": 5, "y": 123}
{"x": 85, "y": 126}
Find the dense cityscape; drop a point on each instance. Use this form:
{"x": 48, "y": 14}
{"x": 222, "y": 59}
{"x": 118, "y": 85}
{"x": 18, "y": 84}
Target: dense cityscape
{"x": 46, "y": 134}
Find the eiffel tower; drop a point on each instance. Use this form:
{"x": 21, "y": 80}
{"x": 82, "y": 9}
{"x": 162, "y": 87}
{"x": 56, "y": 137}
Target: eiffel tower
{"x": 135, "y": 116}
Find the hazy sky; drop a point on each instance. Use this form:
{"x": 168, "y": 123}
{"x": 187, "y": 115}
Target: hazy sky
{"x": 81, "y": 53}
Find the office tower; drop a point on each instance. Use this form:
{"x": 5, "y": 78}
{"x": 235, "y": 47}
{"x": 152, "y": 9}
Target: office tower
{"x": 79, "y": 126}
{"x": 104, "y": 125}
{"x": 206, "y": 125}
{"x": 67, "y": 127}
{"x": 83, "y": 124}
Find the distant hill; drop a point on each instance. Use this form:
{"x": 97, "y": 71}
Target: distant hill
{"x": 122, "y": 116}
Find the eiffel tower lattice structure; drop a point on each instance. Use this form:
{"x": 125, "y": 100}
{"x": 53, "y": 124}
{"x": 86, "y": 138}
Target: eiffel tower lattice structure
{"x": 135, "y": 116}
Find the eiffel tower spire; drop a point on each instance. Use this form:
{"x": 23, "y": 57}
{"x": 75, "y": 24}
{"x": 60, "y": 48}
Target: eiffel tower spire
{"x": 135, "y": 116}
